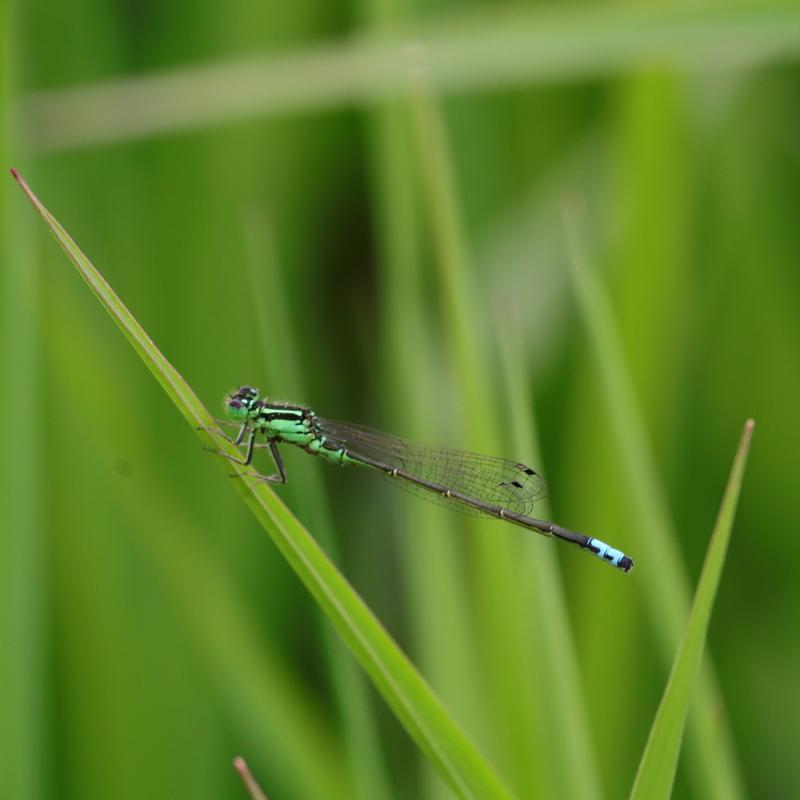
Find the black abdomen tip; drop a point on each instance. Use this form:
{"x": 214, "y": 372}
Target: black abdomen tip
{"x": 626, "y": 564}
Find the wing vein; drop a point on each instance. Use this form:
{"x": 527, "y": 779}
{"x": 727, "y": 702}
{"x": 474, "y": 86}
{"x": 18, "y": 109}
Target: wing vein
{"x": 497, "y": 481}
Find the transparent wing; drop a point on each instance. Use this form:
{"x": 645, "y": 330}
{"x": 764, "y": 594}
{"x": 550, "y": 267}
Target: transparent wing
{"x": 498, "y": 481}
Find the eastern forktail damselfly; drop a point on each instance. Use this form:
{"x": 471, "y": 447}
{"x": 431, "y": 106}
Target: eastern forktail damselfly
{"x": 472, "y": 483}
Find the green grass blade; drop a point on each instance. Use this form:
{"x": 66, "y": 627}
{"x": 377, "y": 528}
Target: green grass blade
{"x": 659, "y": 762}
{"x": 261, "y": 692}
{"x": 493, "y": 591}
{"x": 463, "y": 52}
{"x": 503, "y": 600}
{"x": 712, "y": 762}
{"x": 24, "y": 757}
{"x": 417, "y": 707}
{"x": 563, "y": 725}
{"x": 434, "y": 576}
{"x": 275, "y": 324}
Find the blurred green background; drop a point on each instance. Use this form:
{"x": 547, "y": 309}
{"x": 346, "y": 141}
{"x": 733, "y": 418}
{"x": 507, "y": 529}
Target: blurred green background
{"x": 369, "y": 208}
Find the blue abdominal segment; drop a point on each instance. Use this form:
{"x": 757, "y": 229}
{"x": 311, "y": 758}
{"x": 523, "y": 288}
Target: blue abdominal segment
{"x": 610, "y": 554}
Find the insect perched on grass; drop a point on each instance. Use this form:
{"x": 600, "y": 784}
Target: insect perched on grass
{"x": 468, "y": 482}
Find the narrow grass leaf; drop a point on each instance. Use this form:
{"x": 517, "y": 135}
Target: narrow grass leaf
{"x": 463, "y": 52}
{"x": 657, "y": 768}
{"x": 433, "y": 573}
{"x": 24, "y": 733}
{"x": 501, "y": 596}
{"x": 272, "y": 312}
{"x": 711, "y": 759}
{"x": 261, "y": 692}
{"x": 560, "y": 712}
{"x": 412, "y": 700}
{"x": 494, "y": 593}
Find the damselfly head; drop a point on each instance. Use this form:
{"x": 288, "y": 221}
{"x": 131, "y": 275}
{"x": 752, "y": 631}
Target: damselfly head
{"x": 238, "y": 404}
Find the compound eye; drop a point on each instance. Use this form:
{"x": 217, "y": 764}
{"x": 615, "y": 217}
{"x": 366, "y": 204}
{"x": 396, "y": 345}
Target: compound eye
{"x": 236, "y": 409}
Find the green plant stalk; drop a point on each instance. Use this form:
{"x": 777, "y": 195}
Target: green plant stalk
{"x": 495, "y": 601}
{"x": 711, "y": 759}
{"x": 435, "y": 577}
{"x": 417, "y": 707}
{"x": 366, "y": 760}
{"x": 501, "y": 604}
{"x": 433, "y": 572}
{"x": 469, "y": 52}
{"x": 261, "y": 693}
{"x": 24, "y": 756}
{"x": 657, "y": 768}
{"x": 562, "y": 732}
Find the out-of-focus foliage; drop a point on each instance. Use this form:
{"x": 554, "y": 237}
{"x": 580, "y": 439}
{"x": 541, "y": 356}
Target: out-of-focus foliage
{"x": 398, "y": 259}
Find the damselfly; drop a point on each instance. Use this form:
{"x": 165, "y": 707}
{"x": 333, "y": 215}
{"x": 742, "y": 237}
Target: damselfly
{"x": 472, "y": 483}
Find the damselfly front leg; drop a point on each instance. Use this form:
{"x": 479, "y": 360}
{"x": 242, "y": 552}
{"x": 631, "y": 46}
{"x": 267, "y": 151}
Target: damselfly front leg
{"x": 227, "y": 423}
{"x": 279, "y": 476}
{"x": 251, "y": 441}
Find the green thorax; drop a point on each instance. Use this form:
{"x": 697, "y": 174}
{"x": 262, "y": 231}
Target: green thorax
{"x": 284, "y": 422}
{"x": 296, "y": 425}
